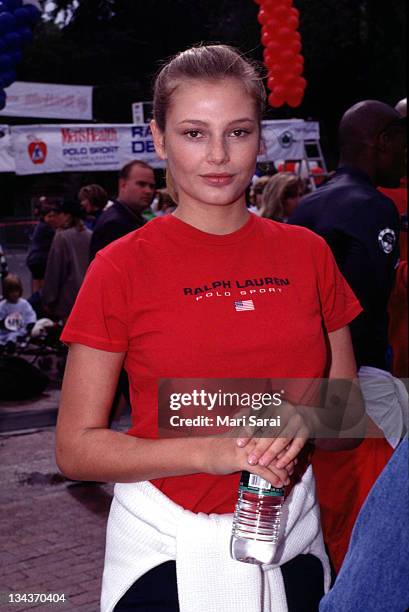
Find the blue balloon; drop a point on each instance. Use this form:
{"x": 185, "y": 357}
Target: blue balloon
{"x": 3, "y": 46}
{"x": 5, "y": 63}
{"x": 13, "y": 40}
{"x": 7, "y": 23}
{"x": 35, "y": 14}
{"x": 9, "y": 77}
{"x": 22, "y": 16}
{"x": 2, "y": 99}
{"x": 16, "y": 57}
{"x": 26, "y": 35}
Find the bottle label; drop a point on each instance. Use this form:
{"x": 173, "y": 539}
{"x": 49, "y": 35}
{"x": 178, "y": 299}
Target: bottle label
{"x": 255, "y": 484}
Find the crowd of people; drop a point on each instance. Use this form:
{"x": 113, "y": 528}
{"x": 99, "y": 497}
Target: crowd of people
{"x": 337, "y": 245}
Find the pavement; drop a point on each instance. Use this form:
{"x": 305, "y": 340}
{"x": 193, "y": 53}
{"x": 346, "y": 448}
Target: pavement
{"x": 52, "y": 530}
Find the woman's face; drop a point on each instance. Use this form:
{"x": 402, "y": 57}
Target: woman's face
{"x": 211, "y": 141}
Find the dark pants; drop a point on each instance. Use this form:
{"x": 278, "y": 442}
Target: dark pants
{"x": 156, "y": 591}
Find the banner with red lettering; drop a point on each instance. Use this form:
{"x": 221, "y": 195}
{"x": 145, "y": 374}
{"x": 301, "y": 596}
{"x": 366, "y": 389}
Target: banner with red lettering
{"x": 41, "y": 149}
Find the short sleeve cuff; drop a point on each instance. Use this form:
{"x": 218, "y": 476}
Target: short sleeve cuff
{"x": 348, "y": 315}
{"x": 113, "y": 346}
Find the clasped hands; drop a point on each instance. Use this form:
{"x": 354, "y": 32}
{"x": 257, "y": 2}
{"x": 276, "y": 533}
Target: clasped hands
{"x": 278, "y": 454}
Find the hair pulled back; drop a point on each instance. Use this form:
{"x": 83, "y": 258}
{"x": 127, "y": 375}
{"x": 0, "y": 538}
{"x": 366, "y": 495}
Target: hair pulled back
{"x": 211, "y": 63}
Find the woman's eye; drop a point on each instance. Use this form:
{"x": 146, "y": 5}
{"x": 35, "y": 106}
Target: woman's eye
{"x": 193, "y": 134}
{"x": 239, "y": 133}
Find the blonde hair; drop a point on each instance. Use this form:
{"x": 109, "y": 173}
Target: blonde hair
{"x": 278, "y": 188}
{"x": 206, "y": 62}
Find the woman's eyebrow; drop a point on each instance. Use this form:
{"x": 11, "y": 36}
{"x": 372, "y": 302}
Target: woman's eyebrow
{"x": 199, "y": 122}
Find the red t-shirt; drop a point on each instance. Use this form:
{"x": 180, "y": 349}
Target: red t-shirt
{"x": 166, "y": 295}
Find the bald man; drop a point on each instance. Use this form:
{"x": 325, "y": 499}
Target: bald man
{"x": 401, "y": 107}
{"x": 359, "y": 223}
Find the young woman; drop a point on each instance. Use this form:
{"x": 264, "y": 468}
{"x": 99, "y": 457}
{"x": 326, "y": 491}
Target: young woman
{"x": 146, "y": 303}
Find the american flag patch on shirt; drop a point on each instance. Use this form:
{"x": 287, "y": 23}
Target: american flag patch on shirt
{"x": 244, "y": 305}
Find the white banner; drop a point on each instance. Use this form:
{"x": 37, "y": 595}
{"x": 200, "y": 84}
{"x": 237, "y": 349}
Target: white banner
{"x": 40, "y": 149}
{"x": 284, "y": 139}
{"x": 6, "y": 154}
{"x": 48, "y": 101}
{"x": 75, "y": 148}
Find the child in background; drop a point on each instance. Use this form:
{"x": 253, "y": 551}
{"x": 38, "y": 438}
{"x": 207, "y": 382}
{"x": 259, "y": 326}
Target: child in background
{"x": 16, "y": 314}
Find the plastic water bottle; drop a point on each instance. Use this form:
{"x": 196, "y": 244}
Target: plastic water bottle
{"x": 256, "y": 521}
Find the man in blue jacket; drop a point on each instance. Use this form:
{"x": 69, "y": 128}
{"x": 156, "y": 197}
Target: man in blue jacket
{"x": 360, "y": 224}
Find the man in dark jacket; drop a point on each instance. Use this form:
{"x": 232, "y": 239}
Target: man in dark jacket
{"x": 359, "y": 223}
{"x": 136, "y": 192}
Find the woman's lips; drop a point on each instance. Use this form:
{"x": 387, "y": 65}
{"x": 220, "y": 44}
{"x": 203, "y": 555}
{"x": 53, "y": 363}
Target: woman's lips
{"x": 217, "y": 180}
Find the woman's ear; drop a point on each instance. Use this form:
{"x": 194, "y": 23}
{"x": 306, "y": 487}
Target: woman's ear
{"x": 158, "y": 140}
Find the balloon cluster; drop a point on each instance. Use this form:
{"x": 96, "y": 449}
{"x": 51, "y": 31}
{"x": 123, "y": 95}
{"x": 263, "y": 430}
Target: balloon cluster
{"x": 17, "y": 19}
{"x": 279, "y": 21}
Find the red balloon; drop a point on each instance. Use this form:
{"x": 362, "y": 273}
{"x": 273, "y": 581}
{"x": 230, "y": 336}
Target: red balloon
{"x": 289, "y": 80}
{"x": 297, "y": 69}
{"x": 274, "y": 25}
{"x": 281, "y": 13}
{"x": 271, "y": 82}
{"x": 280, "y": 91}
{"x": 295, "y": 12}
{"x": 275, "y": 99}
{"x": 294, "y": 101}
{"x": 274, "y": 46}
{"x": 295, "y": 46}
{"x": 295, "y": 92}
{"x": 284, "y": 33}
{"x": 300, "y": 58}
{"x": 287, "y": 3}
{"x": 276, "y": 70}
{"x": 301, "y": 82}
{"x": 293, "y": 22}
{"x": 268, "y": 59}
{"x": 287, "y": 56}
{"x": 266, "y": 38}
{"x": 262, "y": 17}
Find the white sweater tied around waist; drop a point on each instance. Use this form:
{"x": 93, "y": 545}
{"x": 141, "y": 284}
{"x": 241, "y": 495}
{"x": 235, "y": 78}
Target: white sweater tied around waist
{"x": 146, "y": 529}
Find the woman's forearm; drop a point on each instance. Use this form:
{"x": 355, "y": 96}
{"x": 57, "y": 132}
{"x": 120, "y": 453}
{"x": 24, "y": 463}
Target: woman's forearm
{"x": 110, "y": 456}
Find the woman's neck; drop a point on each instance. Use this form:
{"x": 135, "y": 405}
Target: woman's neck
{"x": 217, "y": 220}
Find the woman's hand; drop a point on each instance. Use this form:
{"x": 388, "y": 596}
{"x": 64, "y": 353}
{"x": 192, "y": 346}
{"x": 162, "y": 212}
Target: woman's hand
{"x": 222, "y": 455}
{"x": 280, "y": 451}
